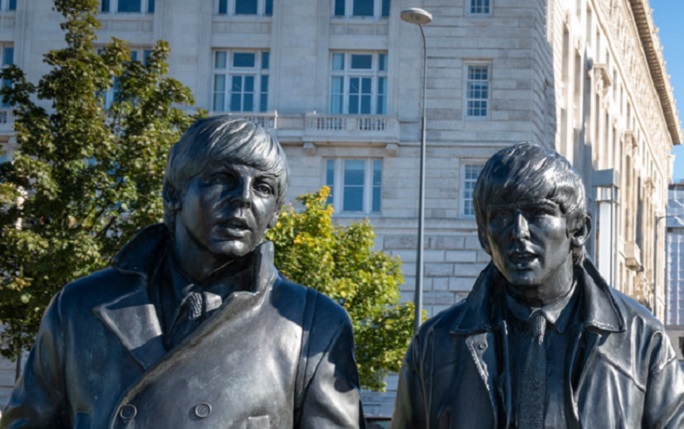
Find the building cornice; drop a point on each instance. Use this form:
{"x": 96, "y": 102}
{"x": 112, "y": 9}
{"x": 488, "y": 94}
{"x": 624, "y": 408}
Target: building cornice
{"x": 656, "y": 64}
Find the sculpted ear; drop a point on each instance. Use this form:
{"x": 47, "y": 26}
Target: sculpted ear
{"x": 581, "y": 234}
{"x": 171, "y": 197}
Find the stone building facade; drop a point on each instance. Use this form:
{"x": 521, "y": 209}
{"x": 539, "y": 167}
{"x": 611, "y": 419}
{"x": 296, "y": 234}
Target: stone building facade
{"x": 339, "y": 82}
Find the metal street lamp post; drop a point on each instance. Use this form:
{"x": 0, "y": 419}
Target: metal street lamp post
{"x": 420, "y": 17}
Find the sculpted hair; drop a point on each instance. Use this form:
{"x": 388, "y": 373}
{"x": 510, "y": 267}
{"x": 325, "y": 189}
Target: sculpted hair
{"x": 221, "y": 140}
{"x": 533, "y": 172}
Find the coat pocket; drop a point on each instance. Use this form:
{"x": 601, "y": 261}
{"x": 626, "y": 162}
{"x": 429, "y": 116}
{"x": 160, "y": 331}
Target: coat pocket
{"x": 258, "y": 422}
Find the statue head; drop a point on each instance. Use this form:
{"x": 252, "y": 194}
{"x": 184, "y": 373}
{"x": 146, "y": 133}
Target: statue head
{"x": 225, "y": 183}
{"x": 531, "y": 212}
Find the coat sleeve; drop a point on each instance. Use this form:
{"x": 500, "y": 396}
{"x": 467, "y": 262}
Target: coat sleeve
{"x": 330, "y": 395}
{"x": 409, "y": 410}
{"x": 664, "y": 402}
{"x": 38, "y": 399}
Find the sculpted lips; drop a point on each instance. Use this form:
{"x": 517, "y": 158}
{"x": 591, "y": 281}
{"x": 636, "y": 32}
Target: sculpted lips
{"x": 234, "y": 227}
{"x": 521, "y": 257}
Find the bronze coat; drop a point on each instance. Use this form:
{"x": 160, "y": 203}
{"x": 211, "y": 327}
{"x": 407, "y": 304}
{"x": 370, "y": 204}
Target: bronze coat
{"x": 279, "y": 356}
{"x": 622, "y": 371}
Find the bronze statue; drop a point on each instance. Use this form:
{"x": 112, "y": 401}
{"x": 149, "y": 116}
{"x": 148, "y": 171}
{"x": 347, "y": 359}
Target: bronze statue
{"x": 541, "y": 341}
{"x": 192, "y": 325}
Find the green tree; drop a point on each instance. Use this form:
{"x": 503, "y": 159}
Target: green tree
{"x": 86, "y": 176}
{"x": 341, "y": 263}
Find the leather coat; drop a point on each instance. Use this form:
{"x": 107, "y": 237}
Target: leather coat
{"x": 278, "y": 356}
{"x": 621, "y": 373}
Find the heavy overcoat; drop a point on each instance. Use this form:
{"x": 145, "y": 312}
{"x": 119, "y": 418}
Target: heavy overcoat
{"x": 278, "y": 356}
{"x": 621, "y": 373}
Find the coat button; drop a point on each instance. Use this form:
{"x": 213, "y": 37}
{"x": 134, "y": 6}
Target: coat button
{"x": 128, "y": 411}
{"x": 481, "y": 346}
{"x": 202, "y": 410}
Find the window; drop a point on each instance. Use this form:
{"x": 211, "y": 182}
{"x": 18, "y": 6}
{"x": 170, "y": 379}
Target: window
{"x": 111, "y": 95}
{"x": 127, "y": 6}
{"x": 361, "y": 8}
{"x": 241, "y": 81}
{"x": 245, "y": 7}
{"x": 359, "y": 83}
{"x": 7, "y": 55}
{"x": 479, "y": 7}
{"x": 470, "y": 174}
{"x": 477, "y": 91}
{"x": 355, "y": 184}
{"x": 8, "y": 5}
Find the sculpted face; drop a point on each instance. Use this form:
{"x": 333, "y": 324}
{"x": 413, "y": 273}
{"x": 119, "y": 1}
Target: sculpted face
{"x": 227, "y": 209}
{"x": 529, "y": 242}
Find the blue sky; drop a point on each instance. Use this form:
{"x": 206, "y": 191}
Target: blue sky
{"x": 668, "y": 15}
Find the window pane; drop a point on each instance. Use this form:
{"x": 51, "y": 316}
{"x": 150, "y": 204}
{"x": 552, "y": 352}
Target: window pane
{"x": 339, "y": 7}
{"x": 365, "y": 104}
{"x": 479, "y": 6}
{"x": 330, "y": 178}
{"x": 223, "y": 7}
{"x": 220, "y": 61}
{"x": 385, "y": 7}
{"x": 134, "y": 55}
{"x": 244, "y": 59}
{"x": 382, "y": 62}
{"x": 3, "y": 103}
{"x": 129, "y": 5}
{"x": 268, "y": 10}
{"x": 265, "y": 60}
{"x": 361, "y": 62}
{"x": 470, "y": 177}
{"x": 263, "y": 98}
{"x": 336, "y": 96}
{"x": 353, "y": 199}
{"x": 219, "y": 93}
{"x": 105, "y": 6}
{"x": 245, "y": 7}
{"x": 146, "y": 55}
{"x": 354, "y": 172}
{"x": 8, "y": 56}
{"x": 338, "y": 61}
{"x": 377, "y": 185}
{"x": 150, "y": 6}
{"x": 363, "y": 8}
{"x": 13, "y": 5}
{"x": 381, "y": 108}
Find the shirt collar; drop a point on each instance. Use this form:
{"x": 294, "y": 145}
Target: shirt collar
{"x": 557, "y": 313}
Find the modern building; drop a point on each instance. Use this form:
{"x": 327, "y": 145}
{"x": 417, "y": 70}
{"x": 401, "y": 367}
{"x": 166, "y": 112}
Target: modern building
{"x": 340, "y": 83}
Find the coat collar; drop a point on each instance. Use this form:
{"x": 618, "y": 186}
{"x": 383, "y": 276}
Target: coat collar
{"x": 132, "y": 316}
{"x": 600, "y": 309}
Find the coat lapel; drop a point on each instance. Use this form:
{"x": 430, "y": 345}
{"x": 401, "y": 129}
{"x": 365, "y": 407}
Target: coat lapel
{"x": 133, "y": 319}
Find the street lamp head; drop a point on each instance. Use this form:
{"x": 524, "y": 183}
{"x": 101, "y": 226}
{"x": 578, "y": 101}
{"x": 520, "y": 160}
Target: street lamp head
{"x": 416, "y": 15}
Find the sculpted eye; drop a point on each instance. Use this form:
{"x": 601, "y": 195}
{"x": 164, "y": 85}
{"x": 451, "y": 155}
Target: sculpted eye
{"x": 264, "y": 188}
{"x": 221, "y": 179}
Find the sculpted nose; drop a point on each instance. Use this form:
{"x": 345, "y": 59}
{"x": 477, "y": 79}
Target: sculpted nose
{"x": 520, "y": 227}
{"x": 242, "y": 194}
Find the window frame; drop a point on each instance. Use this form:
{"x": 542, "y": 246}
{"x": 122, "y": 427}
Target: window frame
{"x": 345, "y": 9}
{"x": 466, "y": 194}
{"x": 147, "y": 7}
{"x": 261, "y": 75}
{"x": 377, "y": 74}
{"x": 264, "y": 8}
{"x": 466, "y": 96}
{"x": 4, "y": 47}
{"x": 370, "y": 187}
{"x": 470, "y": 5}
